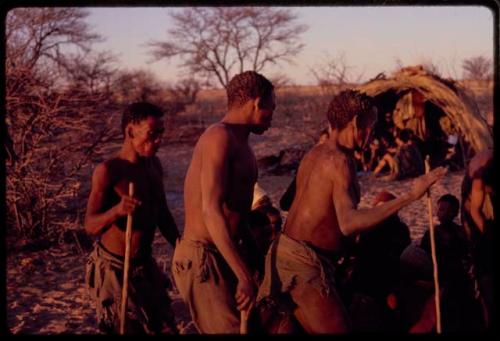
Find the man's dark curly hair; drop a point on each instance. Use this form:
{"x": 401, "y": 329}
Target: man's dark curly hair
{"x": 247, "y": 86}
{"x": 346, "y": 105}
{"x": 136, "y": 112}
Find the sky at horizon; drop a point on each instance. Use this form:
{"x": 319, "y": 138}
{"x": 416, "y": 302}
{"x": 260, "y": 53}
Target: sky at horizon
{"x": 372, "y": 39}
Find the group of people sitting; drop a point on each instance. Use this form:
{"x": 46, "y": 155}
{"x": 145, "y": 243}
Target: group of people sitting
{"x": 400, "y": 153}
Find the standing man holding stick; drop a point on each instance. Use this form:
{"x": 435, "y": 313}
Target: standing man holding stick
{"x": 300, "y": 262}
{"x": 148, "y": 305}
{"x": 208, "y": 269}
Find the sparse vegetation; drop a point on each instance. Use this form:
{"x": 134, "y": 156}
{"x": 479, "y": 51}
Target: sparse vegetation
{"x": 218, "y": 42}
{"x": 63, "y": 103}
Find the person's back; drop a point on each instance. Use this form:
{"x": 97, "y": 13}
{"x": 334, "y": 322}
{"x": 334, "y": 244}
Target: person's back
{"x": 312, "y": 213}
{"x": 289, "y": 195}
{"x": 239, "y": 185}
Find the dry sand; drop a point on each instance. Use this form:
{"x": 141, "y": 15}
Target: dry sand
{"x": 45, "y": 289}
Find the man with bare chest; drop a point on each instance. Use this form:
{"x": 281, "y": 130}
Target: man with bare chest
{"x": 208, "y": 268}
{"x": 107, "y": 209}
{"x": 301, "y": 260}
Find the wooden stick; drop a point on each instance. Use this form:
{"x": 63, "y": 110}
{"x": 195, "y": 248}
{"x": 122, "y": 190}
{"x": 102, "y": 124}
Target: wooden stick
{"x": 244, "y": 322}
{"x": 128, "y": 235}
{"x": 433, "y": 253}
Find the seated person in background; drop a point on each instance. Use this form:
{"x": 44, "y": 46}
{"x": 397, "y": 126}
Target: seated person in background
{"x": 358, "y": 159}
{"x": 372, "y": 156}
{"x": 287, "y": 198}
{"x": 407, "y": 162}
{"x": 375, "y": 276}
{"x": 260, "y": 197}
{"x": 265, "y": 224}
{"x": 453, "y": 158}
{"x": 275, "y": 222}
{"x": 460, "y": 310}
{"x": 387, "y": 143}
{"x": 256, "y": 239}
{"x": 274, "y": 316}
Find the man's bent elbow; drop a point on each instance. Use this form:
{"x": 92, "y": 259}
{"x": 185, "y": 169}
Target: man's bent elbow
{"x": 90, "y": 231}
{"x": 346, "y": 228}
{"x": 90, "y": 228}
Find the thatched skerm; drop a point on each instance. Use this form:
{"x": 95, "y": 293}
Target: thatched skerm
{"x": 446, "y": 107}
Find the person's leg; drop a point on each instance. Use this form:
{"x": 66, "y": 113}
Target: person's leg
{"x": 275, "y": 316}
{"x": 380, "y": 165}
{"x": 105, "y": 280}
{"x": 319, "y": 314}
{"x": 153, "y": 290}
{"x": 207, "y": 286}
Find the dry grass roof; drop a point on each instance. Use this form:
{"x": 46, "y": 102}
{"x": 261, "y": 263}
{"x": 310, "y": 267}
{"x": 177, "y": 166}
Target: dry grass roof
{"x": 445, "y": 94}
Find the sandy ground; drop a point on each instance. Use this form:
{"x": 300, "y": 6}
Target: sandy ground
{"x": 45, "y": 289}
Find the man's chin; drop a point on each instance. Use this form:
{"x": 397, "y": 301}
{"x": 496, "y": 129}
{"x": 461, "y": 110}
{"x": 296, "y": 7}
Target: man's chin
{"x": 149, "y": 154}
{"x": 259, "y": 130}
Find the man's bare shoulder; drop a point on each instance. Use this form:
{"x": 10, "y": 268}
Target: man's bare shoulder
{"x": 330, "y": 159}
{"x": 216, "y": 135}
{"x": 107, "y": 171}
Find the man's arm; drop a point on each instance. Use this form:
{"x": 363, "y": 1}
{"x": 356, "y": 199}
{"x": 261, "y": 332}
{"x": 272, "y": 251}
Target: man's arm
{"x": 352, "y": 220}
{"x": 95, "y": 219}
{"x": 166, "y": 222}
{"x": 476, "y": 203}
{"x": 215, "y": 161}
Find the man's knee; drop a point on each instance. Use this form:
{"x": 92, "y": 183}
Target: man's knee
{"x": 319, "y": 313}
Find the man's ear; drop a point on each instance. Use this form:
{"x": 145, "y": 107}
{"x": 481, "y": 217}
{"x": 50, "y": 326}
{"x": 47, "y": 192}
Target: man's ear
{"x": 257, "y": 103}
{"x": 130, "y": 132}
{"x": 354, "y": 123}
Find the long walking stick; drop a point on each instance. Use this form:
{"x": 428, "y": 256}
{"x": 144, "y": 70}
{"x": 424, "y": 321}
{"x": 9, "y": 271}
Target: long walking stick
{"x": 244, "y": 322}
{"x": 433, "y": 253}
{"x": 128, "y": 235}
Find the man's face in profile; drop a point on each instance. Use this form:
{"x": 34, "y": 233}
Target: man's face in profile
{"x": 147, "y": 136}
{"x": 364, "y": 134}
{"x": 264, "y": 114}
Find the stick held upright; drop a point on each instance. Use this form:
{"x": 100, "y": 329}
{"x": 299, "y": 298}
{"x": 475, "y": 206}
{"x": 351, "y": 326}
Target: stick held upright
{"x": 433, "y": 254}
{"x": 128, "y": 236}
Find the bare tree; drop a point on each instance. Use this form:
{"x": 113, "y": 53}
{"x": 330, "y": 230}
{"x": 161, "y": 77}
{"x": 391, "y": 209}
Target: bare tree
{"x": 138, "y": 85}
{"x": 56, "y": 126}
{"x": 334, "y": 71}
{"x": 185, "y": 90}
{"x": 92, "y": 72}
{"x": 218, "y": 42}
{"x": 37, "y": 37}
{"x": 478, "y": 68}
